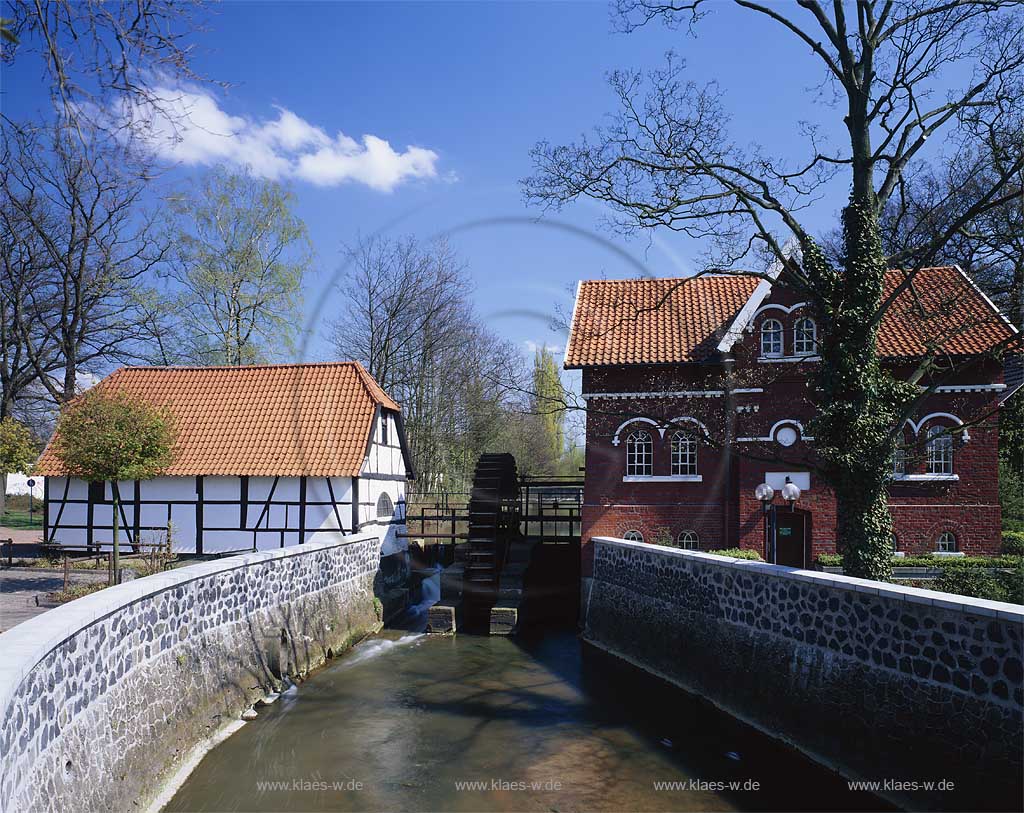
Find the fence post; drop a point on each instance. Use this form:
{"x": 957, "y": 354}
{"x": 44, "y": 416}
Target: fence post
{"x": 110, "y": 568}
{"x": 66, "y": 573}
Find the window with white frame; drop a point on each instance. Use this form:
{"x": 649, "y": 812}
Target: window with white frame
{"x": 946, "y": 543}
{"x": 940, "y": 451}
{"x": 639, "y": 454}
{"x": 805, "y": 337}
{"x": 771, "y": 337}
{"x": 688, "y": 540}
{"x": 385, "y": 508}
{"x": 684, "y": 453}
{"x": 633, "y": 536}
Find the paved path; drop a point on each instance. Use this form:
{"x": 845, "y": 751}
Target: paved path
{"x": 20, "y": 586}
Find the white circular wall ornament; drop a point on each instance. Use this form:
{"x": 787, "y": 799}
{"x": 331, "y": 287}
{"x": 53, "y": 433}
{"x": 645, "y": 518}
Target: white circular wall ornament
{"x": 786, "y": 436}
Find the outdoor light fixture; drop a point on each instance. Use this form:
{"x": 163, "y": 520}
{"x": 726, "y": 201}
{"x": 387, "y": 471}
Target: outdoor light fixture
{"x": 765, "y": 493}
{"x": 791, "y": 493}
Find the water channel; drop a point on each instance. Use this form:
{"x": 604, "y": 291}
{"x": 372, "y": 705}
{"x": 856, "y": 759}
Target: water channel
{"x": 409, "y": 722}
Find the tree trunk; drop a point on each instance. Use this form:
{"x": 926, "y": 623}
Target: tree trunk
{"x": 860, "y": 400}
{"x": 3, "y": 495}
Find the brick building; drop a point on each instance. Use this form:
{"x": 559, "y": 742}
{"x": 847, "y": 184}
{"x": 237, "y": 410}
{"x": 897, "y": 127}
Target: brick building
{"x": 698, "y": 390}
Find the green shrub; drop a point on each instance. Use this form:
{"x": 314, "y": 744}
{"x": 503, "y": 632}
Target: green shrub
{"x": 738, "y": 553}
{"x": 970, "y": 581}
{"x": 830, "y": 560}
{"x": 1013, "y": 543}
{"x": 1012, "y": 582}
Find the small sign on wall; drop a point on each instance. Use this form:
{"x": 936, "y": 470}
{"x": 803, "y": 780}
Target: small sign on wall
{"x": 777, "y": 479}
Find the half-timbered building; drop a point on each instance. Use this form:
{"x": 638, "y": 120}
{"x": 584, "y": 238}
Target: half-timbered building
{"x": 699, "y": 390}
{"x": 265, "y": 456}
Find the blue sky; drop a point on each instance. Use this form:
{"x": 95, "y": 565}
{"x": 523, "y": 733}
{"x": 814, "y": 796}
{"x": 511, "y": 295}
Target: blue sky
{"x": 476, "y": 85}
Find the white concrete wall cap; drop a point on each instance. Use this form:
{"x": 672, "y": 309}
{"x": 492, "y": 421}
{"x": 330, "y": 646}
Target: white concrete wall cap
{"x": 914, "y": 595}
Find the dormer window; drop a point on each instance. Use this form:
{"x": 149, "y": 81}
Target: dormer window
{"x": 384, "y": 429}
{"x": 771, "y": 337}
{"x": 805, "y": 337}
{"x": 639, "y": 454}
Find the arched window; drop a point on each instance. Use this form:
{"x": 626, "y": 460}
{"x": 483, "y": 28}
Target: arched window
{"x": 805, "y": 337}
{"x": 946, "y": 543}
{"x": 639, "y": 454}
{"x": 385, "y": 508}
{"x": 689, "y": 540}
{"x": 771, "y": 337}
{"x": 895, "y": 543}
{"x": 940, "y": 451}
{"x": 633, "y": 536}
{"x": 684, "y": 453}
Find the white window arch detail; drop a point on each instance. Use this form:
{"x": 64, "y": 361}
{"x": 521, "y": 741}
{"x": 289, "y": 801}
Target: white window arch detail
{"x": 615, "y": 437}
{"x": 778, "y": 307}
{"x": 674, "y": 423}
{"x": 805, "y": 337}
{"x": 633, "y": 536}
{"x": 772, "y": 338}
{"x": 916, "y": 427}
{"x": 946, "y": 542}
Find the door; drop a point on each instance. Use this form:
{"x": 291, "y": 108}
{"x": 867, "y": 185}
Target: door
{"x": 790, "y": 538}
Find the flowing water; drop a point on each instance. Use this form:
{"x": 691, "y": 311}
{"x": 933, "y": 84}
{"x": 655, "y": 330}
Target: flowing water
{"x": 407, "y": 722}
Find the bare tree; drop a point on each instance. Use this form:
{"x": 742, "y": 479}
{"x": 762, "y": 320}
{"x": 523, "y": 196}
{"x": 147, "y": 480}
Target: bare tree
{"x": 77, "y": 253}
{"x": 239, "y": 256}
{"x": 409, "y": 321}
{"x": 667, "y": 161}
{"x": 101, "y": 57}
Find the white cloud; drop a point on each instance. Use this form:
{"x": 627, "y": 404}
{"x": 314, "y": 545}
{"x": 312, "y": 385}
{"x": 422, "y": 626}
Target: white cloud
{"x": 532, "y": 347}
{"x": 191, "y": 128}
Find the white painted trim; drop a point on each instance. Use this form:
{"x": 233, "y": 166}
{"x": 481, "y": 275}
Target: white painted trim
{"x": 784, "y": 359}
{"x": 782, "y": 308}
{"x": 917, "y": 426}
{"x": 770, "y": 437}
{"x": 984, "y": 296}
{"x": 970, "y": 388}
{"x": 746, "y": 314}
{"x": 572, "y": 322}
{"x": 663, "y": 478}
{"x": 673, "y": 393}
{"x": 687, "y": 419}
{"x": 926, "y": 478}
{"x": 628, "y": 421}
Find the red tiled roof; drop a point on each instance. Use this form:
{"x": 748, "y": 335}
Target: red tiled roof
{"x": 287, "y": 420}
{"x": 941, "y": 312}
{"x": 653, "y": 321}
{"x": 658, "y": 321}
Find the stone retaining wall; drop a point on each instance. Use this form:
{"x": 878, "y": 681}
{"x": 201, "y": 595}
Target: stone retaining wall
{"x": 102, "y": 699}
{"x": 880, "y": 682}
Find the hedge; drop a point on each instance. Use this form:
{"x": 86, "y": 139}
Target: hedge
{"x": 943, "y": 562}
{"x": 1013, "y": 543}
{"x": 738, "y": 553}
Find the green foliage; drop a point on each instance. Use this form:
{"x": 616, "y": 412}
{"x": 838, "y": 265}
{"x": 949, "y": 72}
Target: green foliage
{"x": 110, "y": 436}
{"x": 240, "y": 256}
{"x": 1007, "y": 560}
{"x": 970, "y": 581}
{"x": 1013, "y": 543}
{"x": 663, "y": 536}
{"x": 830, "y": 560}
{"x": 548, "y": 402}
{"x": 1011, "y": 493}
{"x": 738, "y": 553}
{"x": 17, "y": 447}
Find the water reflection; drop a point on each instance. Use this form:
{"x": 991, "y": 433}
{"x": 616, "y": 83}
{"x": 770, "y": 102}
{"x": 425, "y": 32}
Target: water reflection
{"x": 420, "y": 723}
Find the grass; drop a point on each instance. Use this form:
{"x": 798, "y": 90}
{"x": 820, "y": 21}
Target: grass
{"x": 18, "y": 520}
{"x": 76, "y": 591}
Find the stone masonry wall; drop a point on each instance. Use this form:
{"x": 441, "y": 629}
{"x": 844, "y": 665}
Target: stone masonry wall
{"x": 880, "y": 682}
{"x": 102, "y": 699}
